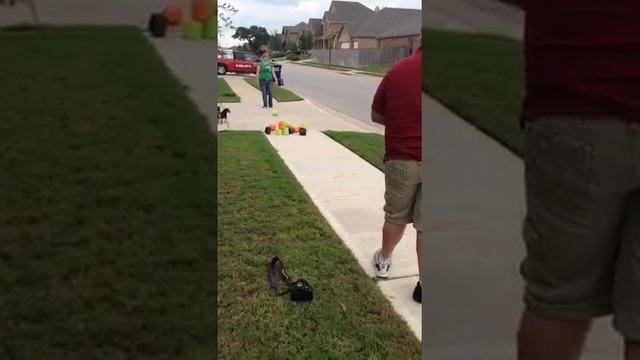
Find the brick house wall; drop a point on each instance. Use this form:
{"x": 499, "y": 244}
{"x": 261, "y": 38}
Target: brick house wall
{"x": 366, "y": 43}
{"x": 344, "y": 40}
{"x": 412, "y": 42}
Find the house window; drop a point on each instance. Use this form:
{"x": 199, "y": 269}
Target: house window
{"x": 355, "y": 44}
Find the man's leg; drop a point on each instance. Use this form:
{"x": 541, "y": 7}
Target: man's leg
{"x": 417, "y": 224}
{"x": 574, "y": 213}
{"x": 542, "y": 338}
{"x": 417, "y": 291}
{"x": 391, "y": 236}
{"x": 417, "y": 219}
{"x": 632, "y": 350}
{"x": 419, "y": 251}
{"x": 401, "y": 186}
{"x": 626, "y": 299}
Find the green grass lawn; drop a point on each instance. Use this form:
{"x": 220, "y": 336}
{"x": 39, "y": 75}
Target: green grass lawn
{"x": 279, "y": 93}
{"x": 225, "y": 94}
{"x": 326, "y": 66}
{"x": 377, "y": 70}
{"x": 262, "y": 212}
{"x": 108, "y": 205}
{"x": 478, "y": 77}
{"x": 370, "y": 147}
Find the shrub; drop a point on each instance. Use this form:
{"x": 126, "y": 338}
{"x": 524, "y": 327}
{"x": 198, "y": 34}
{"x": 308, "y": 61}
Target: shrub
{"x": 277, "y": 54}
{"x": 293, "y": 57}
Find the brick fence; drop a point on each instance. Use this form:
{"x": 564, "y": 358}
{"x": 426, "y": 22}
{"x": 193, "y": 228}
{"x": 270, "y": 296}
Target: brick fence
{"x": 359, "y": 58}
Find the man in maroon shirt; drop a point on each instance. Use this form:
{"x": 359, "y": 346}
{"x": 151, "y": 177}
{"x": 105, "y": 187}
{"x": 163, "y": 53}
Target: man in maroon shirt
{"x": 582, "y": 155}
{"x": 398, "y": 106}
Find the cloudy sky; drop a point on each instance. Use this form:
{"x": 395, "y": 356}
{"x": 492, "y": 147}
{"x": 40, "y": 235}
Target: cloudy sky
{"x": 274, "y": 14}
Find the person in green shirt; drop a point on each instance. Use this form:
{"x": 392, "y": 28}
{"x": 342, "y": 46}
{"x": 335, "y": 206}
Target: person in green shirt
{"x": 266, "y": 76}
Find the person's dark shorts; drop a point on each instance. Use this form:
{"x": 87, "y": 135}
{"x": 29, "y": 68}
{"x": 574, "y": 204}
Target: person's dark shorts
{"x": 582, "y": 229}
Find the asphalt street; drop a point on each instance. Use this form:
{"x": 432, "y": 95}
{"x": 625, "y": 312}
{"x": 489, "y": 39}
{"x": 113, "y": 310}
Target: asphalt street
{"x": 348, "y": 94}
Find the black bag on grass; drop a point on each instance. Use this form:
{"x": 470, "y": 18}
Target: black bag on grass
{"x": 299, "y": 290}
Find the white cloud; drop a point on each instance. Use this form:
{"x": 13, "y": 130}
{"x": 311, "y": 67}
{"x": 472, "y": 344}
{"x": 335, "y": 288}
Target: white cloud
{"x": 274, "y": 14}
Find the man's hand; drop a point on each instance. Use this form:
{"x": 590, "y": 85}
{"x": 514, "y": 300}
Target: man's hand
{"x": 377, "y": 118}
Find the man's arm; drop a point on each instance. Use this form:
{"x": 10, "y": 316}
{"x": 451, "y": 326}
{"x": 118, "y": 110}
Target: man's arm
{"x": 379, "y": 103}
{"x": 377, "y": 118}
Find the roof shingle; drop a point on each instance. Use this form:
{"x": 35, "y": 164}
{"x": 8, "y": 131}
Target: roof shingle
{"x": 347, "y": 12}
{"x": 316, "y": 26}
{"x": 390, "y": 22}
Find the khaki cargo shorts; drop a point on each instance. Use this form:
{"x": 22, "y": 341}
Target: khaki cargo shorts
{"x": 403, "y": 194}
{"x": 582, "y": 228}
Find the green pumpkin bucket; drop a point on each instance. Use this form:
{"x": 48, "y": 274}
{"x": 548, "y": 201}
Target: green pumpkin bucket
{"x": 211, "y": 29}
{"x": 192, "y": 30}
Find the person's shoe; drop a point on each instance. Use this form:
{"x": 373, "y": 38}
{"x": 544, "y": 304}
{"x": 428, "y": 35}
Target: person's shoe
{"x": 381, "y": 266}
{"x": 264, "y": 106}
{"x": 417, "y": 293}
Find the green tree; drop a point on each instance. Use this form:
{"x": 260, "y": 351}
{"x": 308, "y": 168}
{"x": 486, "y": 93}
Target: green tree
{"x": 275, "y": 43}
{"x": 255, "y": 36}
{"x": 306, "y": 41}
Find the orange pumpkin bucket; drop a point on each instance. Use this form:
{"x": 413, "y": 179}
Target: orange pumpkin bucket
{"x": 173, "y": 13}
{"x": 201, "y": 10}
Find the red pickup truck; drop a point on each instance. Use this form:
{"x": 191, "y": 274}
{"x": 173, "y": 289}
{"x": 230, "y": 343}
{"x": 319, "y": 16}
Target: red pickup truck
{"x": 236, "y": 62}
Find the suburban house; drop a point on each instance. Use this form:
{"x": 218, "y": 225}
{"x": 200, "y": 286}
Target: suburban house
{"x": 387, "y": 28}
{"x": 292, "y": 34}
{"x": 315, "y": 25}
{"x": 352, "y": 25}
{"x": 341, "y": 18}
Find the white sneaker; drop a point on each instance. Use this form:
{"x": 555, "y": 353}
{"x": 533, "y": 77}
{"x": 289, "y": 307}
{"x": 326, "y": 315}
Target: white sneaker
{"x": 381, "y": 266}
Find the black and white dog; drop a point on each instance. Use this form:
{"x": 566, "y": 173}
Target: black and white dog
{"x": 222, "y": 116}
